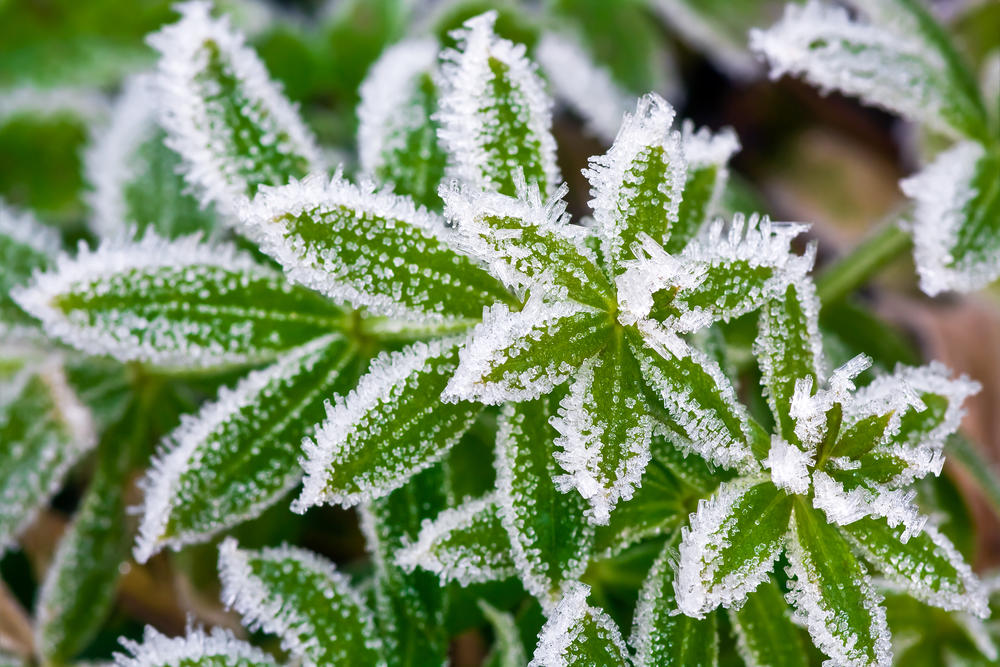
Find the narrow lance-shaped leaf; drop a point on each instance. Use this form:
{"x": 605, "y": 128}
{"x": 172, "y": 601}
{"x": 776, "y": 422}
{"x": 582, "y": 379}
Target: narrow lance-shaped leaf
{"x": 890, "y": 66}
{"x": 303, "y": 599}
{"x": 223, "y": 115}
{"x": 397, "y": 137}
{"x": 239, "y": 454}
{"x": 495, "y": 116}
{"x": 517, "y": 356}
{"x": 833, "y": 595}
{"x": 955, "y": 227}
{"x": 577, "y": 634}
{"x": 179, "y": 303}
{"x": 45, "y": 430}
{"x": 134, "y": 176}
{"x": 467, "y": 544}
{"x": 25, "y": 246}
{"x": 216, "y": 649}
{"x": 409, "y": 605}
{"x": 508, "y": 650}
{"x": 765, "y": 633}
{"x": 550, "y": 537}
{"x": 388, "y": 428}
{"x": 371, "y": 249}
{"x": 661, "y": 635}
{"x": 604, "y": 430}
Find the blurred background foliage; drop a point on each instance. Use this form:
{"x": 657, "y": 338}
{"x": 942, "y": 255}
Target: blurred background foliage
{"x": 826, "y": 160}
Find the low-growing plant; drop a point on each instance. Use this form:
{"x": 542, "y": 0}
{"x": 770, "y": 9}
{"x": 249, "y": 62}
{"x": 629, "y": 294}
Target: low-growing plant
{"x": 623, "y": 439}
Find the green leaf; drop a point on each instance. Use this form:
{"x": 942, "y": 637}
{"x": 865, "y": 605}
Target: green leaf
{"x": 889, "y": 65}
{"x": 528, "y": 243}
{"x": 516, "y": 356}
{"x": 467, "y": 544}
{"x": 44, "y": 430}
{"x": 604, "y": 430}
{"x": 495, "y": 115}
{"x": 303, "y": 599}
{"x": 663, "y": 636}
{"x": 672, "y": 451}
{"x": 578, "y": 634}
{"x": 788, "y": 348}
{"x": 731, "y": 544}
{"x": 197, "y": 649}
{"x": 698, "y": 399}
{"x": 179, "y": 303}
{"x": 833, "y": 594}
{"x": 551, "y": 539}
{"x": 765, "y": 634}
{"x": 861, "y": 437}
{"x": 398, "y": 134}
{"x": 388, "y": 428}
{"x": 372, "y": 249}
{"x": 507, "y": 651}
{"x": 955, "y": 228}
{"x": 926, "y": 565}
{"x": 409, "y": 605}
{"x": 239, "y": 454}
{"x": 25, "y": 247}
{"x": 228, "y": 121}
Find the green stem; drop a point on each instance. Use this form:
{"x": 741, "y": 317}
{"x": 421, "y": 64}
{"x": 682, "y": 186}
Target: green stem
{"x": 858, "y": 266}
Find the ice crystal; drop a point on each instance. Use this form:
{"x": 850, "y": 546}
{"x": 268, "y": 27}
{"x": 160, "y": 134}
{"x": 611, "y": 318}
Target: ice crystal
{"x": 219, "y": 647}
{"x": 789, "y": 466}
{"x": 560, "y": 641}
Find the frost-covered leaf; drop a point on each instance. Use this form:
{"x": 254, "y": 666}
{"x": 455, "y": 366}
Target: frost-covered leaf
{"x": 302, "y": 598}
{"x": 508, "y": 650}
{"x": 389, "y": 427}
{"x": 238, "y": 455}
{"x": 409, "y": 605}
{"x": 551, "y": 539}
{"x": 44, "y": 430}
{"x": 604, "y": 430}
{"x": 198, "y": 648}
{"x": 955, "y": 227}
{"x": 765, "y": 634}
{"x": 25, "y": 246}
{"x": 637, "y": 184}
{"x": 528, "y": 243}
{"x": 467, "y": 544}
{"x": 699, "y": 399}
{"x": 788, "y": 348}
{"x": 134, "y": 176}
{"x": 179, "y": 303}
{"x": 224, "y": 116}
{"x": 730, "y": 545}
{"x": 888, "y": 64}
{"x": 661, "y": 635}
{"x": 833, "y": 595}
{"x": 371, "y": 249}
{"x": 578, "y": 634}
{"x": 397, "y": 136}
{"x": 521, "y": 355}
{"x": 495, "y": 116}
{"x": 927, "y": 565}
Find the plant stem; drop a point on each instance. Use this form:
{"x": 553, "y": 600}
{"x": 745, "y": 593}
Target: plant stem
{"x": 855, "y": 269}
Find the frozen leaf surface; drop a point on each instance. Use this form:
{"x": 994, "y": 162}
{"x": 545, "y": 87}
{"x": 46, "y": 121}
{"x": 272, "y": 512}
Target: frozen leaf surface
{"x": 25, "y": 246}
{"x": 219, "y": 648}
{"x": 578, "y": 634}
{"x": 765, "y": 634}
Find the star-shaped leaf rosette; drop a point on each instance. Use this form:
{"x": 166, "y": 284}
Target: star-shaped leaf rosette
{"x": 833, "y": 495}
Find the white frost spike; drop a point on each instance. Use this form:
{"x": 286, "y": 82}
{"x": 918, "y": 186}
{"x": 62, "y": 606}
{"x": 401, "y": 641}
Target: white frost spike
{"x": 22, "y": 227}
{"x": 464, "y": 126}
{"x": 810, "y": 41}
{"x": 653, "y": 269}
{"x": 348, "y": 415}
{"x": 451, "y": 564}
{"x": 502, "y": 336}
{"x": 941, "y": 191}
{"x": 177, "y": 454}
{"x": 383, "y": 111}
{"x": 703, "y": 148}
{"x": 187, "y": 116}
{"x": 197, "y": 647}
{"x": 702, "y": 540}
{"x": 263, "y": 609}
{"x": 809, "y": 410}
{"x": 845, "y": 507}
{"x": 789, "y": 466}
{"x": 91, "y": 271}
{"x": 565, "y": 625}
{"x": 588, "y": 89}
